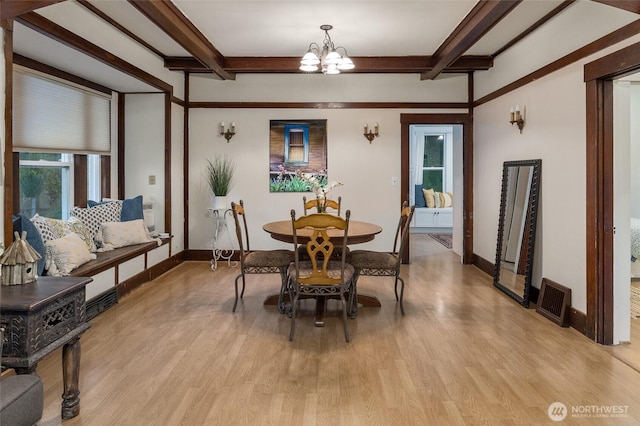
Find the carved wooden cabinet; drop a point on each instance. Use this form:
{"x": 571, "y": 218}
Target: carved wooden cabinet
{"x": 38, "y": 318}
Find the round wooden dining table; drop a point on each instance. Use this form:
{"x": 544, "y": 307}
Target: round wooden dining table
{"x": 358, "y": 233}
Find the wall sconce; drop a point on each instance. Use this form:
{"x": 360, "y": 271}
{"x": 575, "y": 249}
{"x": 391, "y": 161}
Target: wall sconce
{"x": 515, "y": 117}
{"x": 228, "y": 133}
{"x": 370, "y": 134}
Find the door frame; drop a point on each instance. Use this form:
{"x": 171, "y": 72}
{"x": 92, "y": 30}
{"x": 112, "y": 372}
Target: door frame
{"x": 599, "y": 76}
{"x": 466, "y": 120}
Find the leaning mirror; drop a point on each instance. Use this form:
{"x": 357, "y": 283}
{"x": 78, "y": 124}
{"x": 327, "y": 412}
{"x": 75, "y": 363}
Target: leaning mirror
{"x": 517, "y": 228}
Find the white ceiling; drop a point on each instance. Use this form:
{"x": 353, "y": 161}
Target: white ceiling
{"x": 285, "y": 28}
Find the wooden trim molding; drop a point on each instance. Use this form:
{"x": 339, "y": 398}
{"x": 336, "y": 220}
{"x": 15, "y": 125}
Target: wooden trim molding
{"x": 9, "y": 9}
{"x": 333, "y": 105}
{"x": 628, "y": 5}
{"x": 167, "y": 162}
{"x": 9, "y": 176}
{"x": 79, "y": 180}
{"x": 121, "y": 144}
{"x": 599, "y": 76}
{"x": 185, "y": 160}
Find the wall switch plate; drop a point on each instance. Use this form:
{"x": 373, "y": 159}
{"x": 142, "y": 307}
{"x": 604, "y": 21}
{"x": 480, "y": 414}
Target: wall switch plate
{"x": 152, "y": 180}
{"x": 394, "y": 181}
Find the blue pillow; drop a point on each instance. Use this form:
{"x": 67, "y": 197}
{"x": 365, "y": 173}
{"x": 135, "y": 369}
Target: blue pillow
{"x": 23, "y": 223}
{"x": 419, "y": 197}
{"x": 132, "y": 209}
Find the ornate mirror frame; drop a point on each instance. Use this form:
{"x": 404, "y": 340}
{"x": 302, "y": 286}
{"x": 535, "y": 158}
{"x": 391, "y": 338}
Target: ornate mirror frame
{"x": 528, "y": 232}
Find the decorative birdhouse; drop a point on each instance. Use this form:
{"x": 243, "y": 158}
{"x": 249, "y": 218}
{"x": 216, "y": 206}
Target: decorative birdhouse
{"x": 19, "y": 262}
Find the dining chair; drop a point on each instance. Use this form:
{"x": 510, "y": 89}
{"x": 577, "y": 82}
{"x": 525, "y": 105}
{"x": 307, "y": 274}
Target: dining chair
{"x": 313, "y": 204}
{"x": 376, "y": 263}
{"x": 258, "y": 261}
{"x": 320, "y": 276}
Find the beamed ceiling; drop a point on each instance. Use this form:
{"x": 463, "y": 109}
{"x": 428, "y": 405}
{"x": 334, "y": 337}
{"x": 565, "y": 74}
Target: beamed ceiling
{"x": 226, "y": 38}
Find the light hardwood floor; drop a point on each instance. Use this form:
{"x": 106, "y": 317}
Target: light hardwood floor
{"x": 173, "y": 353}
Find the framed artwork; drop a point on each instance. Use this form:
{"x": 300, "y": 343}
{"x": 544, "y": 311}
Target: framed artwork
{"x": 296, "y": 147}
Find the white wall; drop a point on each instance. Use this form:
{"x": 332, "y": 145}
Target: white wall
{"x": 635, "y": 148}
{"x": 555, "y": 131}
{"x": 578, "y": 25}
{"x": 365, "y": 169}
{"x": 144, "y": 150}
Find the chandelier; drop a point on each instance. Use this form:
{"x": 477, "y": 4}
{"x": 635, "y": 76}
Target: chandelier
{"x": 330, "y": 61}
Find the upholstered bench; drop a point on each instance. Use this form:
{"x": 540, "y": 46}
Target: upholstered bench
{"x": 21, "y": 397}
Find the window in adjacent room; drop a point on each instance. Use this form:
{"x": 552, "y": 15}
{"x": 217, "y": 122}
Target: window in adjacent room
{"x": 433, "y": 169}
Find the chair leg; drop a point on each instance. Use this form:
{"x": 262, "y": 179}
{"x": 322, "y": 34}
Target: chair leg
{"x": 353, "y": 299}
{"x": 242, "y": 294}
{"x": 399, "y": 278}
{"x": 344, "y": 317}
{"x": 283, "y": 289}
{"x": 236, "y": 286}
{"x": 395, "y": 288}
{"x": 294, "y": 302}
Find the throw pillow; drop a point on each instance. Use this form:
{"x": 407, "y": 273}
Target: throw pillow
{"x": 131, "y": 207}
{"x": 429, "y": 197}
{"x": 34, "y": 238}
{"x": 46, "y": 232}
{"x": 437, "y": 199}
{"x": 92, "y": 217}
{"x": 122, "y": 234}
{"x": 147, "y": 211}
{"x": 447, "y": 198}
{"x": 76, "y": 226}
{"x": 419, "y": 197}
{"x": 66, "y": 254}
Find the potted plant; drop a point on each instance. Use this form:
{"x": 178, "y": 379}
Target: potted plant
{"x": 220, "y": 177}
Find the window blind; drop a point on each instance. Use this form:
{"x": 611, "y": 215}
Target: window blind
{"x": 52, "y": 116}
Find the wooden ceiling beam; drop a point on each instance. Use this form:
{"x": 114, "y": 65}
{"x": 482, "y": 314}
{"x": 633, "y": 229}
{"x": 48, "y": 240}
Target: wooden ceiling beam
{"x": 628, "y": 5}
{"x": 484, "y": 15}
{"x": 173, "y": 22}
{"x": 11, "y": 9}
{"x": 364, "y": 64}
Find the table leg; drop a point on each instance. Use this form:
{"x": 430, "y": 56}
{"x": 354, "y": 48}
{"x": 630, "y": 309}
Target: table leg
{"x": 321, "y": 307}
{"x": 70, "y": 377}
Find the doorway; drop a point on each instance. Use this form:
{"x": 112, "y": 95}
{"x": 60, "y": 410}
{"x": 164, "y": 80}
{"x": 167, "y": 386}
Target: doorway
{"x": 601, "y": 220}
{"x": 464, "y": 211}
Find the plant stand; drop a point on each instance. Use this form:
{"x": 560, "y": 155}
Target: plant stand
{"x": 220, "y": 222}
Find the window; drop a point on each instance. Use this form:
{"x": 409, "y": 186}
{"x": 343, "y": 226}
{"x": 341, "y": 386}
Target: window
{"x": 53, "y": 121}
{"x": 433, "y": 169}
{"x": 46, "y": 184}
{"x": 296, "y": 145}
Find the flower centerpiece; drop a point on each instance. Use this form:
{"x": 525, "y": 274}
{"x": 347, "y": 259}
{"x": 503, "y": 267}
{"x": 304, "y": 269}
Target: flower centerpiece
{"x": 219, "y": 177}
{"x": 320, "y": 186}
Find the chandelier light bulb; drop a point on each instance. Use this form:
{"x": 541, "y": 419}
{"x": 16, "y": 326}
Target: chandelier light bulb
{"x": 308, "y": 68}
{"x": 328, "y": 57}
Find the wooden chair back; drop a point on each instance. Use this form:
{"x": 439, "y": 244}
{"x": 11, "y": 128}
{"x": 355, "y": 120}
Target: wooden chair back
{"x": 320, "y": 247}
{"x": 238, "y": 215}
{"x": 313, "y": 203}
{"x": 402, "y": 231}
